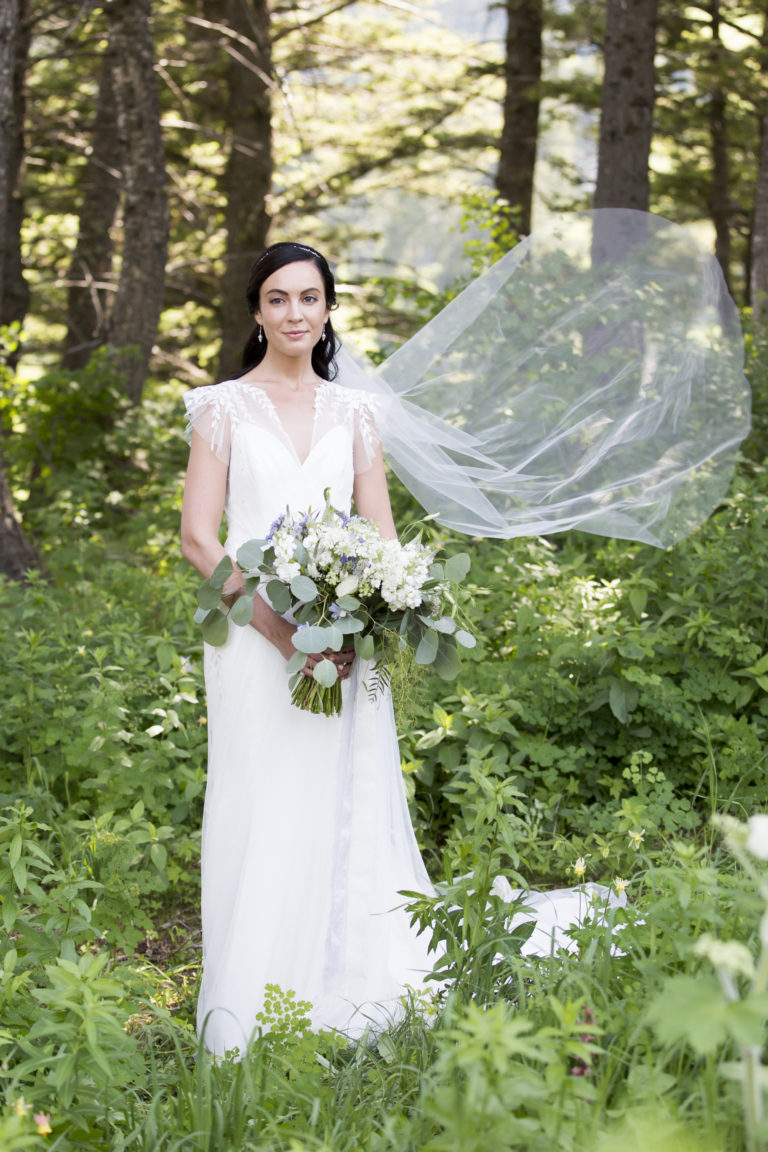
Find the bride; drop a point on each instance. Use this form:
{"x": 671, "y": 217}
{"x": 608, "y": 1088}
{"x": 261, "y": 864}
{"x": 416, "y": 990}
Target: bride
{"x": 593, "y": 379}
{"x": 306, "y": 834}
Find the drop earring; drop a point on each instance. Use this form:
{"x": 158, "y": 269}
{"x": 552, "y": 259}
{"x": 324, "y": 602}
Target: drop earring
{"x": 325, "y": 335}
{"x": 259, "y": 333}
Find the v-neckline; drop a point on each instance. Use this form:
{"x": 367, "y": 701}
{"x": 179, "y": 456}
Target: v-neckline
{"x": 275, "y": 415}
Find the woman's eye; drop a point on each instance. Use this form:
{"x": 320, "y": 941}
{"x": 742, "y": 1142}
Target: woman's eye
{"x": 310, "y": 299}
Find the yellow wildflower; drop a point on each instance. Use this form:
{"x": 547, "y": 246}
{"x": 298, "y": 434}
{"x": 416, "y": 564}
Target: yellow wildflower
{"x": 636, "y": 838}
{"x": 21, "y": 1107}
{"x": 619, "y": 884}
{"x": 579, "y": 868}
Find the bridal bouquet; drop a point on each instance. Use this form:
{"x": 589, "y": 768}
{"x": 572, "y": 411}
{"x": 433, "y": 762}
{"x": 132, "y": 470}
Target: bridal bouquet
{"x": 344, "y": 584}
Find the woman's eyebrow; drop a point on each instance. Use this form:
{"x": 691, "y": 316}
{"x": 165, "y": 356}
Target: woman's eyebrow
{"x": 283, "y": 292}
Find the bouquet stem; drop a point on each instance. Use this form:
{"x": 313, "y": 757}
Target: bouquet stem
{"x": 312, "y": 697}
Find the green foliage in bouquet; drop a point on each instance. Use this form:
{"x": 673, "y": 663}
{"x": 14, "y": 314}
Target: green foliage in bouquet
{"x": 344, "y": 586}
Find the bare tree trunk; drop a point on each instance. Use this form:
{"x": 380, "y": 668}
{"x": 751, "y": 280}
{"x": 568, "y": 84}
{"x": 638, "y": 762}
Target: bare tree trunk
{"x": 87, "y": 300}
{"x": 134, "y": 319}
{"x": 16, "y": 553}
{"x": 759, "y": 256}
{"x": 626, "y": 116}
{"x": 14, "y": 49}
{"x": 719, "y": 201}
{"x": 248, "y": 176}
{"x": 519, "y": 136}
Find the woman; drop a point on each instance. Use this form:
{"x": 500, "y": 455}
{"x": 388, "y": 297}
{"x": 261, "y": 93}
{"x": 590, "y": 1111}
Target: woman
{"x": 306, "y": 835}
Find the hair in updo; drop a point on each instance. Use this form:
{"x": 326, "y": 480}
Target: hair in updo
{"x": 272, "y": 258}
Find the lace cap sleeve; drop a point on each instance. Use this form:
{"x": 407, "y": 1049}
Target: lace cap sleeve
{"x": 367, "y": 443}
{"x": 211, "y": 412}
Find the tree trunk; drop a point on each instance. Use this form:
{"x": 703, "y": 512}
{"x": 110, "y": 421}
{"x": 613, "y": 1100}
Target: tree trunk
{"x": 719, "y": 202}
{"x": 14, "y": 53}
{"x": 16, "y": 553}
{"x": 519, "y": 136}
{"x": 626, "y": 116}
{"x": 248, "y": 176}
{"x": 139, "y": 298}
{"x": 759, "y": 255}
{"x": 87, "y": 300}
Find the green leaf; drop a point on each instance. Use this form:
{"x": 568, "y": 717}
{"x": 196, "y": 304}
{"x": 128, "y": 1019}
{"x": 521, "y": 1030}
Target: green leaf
{"x": 300, "y": 554}
{"x": 638, "y": 598}
{"x": 215, "y": 628}
{"x": 207, "y": 596}
{"x": 348, "y": 603}
{"x": 251, "y": 554}
{"x": 457, "y": 567}
{"x": 14, "y": 853}
{"x": 296, "y": 662}
{"x": 10, "y": 911}
{"x": 447, "y": 662}
{"x": 350, "y": 624}
{"x": 241, "y": 612}
{"x": 279, "y": 596}
{"x": 158, "y": 854}
{"x": 222, "y": 572}
{"x": 325, "y": 673}
{"x": 304, "y": 589}
{"x": 466, "y": 639}
{"x": 622, "y": 698}
{"x": 436, "y": 572}
{"x": 427, "y": 648}
{"x": 365, "y": 646}
{"x": 316, "y": 638}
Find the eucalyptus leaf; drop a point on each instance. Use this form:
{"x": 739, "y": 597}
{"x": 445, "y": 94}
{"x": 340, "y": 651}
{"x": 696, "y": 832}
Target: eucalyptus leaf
{"x": 325, "y": 673}
{"x": 251, "y": 554}
{"x": 207, "y": 596}
{"x": 365, "y": 646}
{"x": 316, "y": 638}
{"x": 447, "y": 661}
{"x": 241, "y": 612}
{"x": 427, "y": 648}
{"x": 457, "y": 567}
{"x": 335, "y": 637}
{"x": 300, "y": 554}
{"x": 350, "y": 624}
{"x": 303, "y": 588}
{"x": 296, "y": 662}
{"x": 200, "y": 615}
{"x": 279, "y": 596}
{"x": 442, "y": 624}
{"x": 215, "y": 628}
{"x": 466, "y": 639}
{"x": 222, "y": 572}
{"x": 348, "y": 603}
{"x": 437, "y": 572}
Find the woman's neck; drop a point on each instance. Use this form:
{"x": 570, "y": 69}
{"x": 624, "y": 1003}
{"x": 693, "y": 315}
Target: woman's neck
{"x": 292, "y": 372}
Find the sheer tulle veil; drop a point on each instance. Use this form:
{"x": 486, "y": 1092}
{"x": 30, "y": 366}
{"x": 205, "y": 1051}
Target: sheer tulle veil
{"x": 592, "y": 378}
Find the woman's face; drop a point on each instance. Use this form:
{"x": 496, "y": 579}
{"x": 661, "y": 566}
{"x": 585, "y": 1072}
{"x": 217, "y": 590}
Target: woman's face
{"x": 292, "y": 308}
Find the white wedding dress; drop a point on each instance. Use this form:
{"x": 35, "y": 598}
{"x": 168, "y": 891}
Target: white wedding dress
{"x": 307, "y": 839}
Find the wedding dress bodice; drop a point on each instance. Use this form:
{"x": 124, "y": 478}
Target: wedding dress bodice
{"x": 266, "y": 473}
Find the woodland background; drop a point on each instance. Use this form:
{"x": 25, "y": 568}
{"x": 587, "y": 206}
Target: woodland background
{"x": 617, "y": 704}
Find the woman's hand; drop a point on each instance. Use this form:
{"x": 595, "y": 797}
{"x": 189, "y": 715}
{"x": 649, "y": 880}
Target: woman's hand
{"x": 342, "y": 659}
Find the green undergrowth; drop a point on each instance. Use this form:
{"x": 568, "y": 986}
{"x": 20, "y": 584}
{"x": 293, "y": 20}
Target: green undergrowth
{"x": 617, "y": 701}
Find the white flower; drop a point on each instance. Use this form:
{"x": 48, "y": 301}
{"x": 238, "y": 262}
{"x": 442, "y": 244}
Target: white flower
{"x": 286, "y": 572}
{"x": 347, "y": 586}
{"x": 757, "y": 837}
{"x": 729, "y": 955}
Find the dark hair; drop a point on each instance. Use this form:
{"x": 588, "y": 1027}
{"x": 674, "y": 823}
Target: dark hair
{"x": 272, "y": 258}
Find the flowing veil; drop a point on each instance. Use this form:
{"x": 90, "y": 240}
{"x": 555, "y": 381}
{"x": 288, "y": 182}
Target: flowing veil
{"x": 592, "y": 378}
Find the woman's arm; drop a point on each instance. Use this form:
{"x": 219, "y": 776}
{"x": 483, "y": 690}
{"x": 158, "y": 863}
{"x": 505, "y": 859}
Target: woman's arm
{"x": 201, "y": 511}
{"x": 372, "y": 497}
